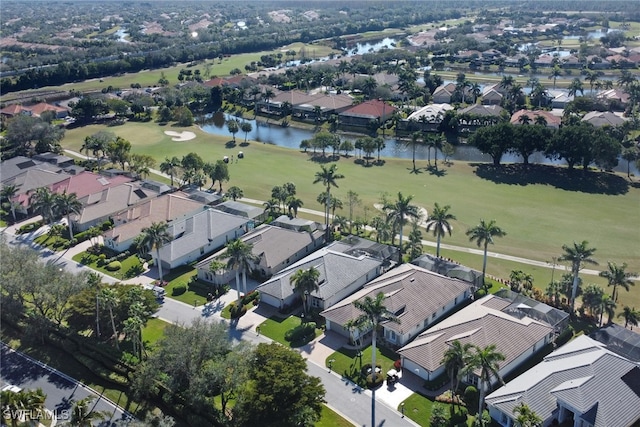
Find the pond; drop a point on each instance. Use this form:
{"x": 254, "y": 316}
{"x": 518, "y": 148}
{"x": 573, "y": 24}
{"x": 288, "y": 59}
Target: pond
{"x": 290, "y": 137}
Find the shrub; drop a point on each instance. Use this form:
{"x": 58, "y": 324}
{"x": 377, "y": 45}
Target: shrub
{"x": 471, "y": 398}
{"x": 179, "y": 290}
{"x": 27, "y": 228}
{"x": 379, "y": 380}
{"x": 113, "y": 266}
{"x": 250, "y": 297}
{"x": 102, "y": 256}
{"x": 397, "y": 365}
{"x": 236, "y": 311}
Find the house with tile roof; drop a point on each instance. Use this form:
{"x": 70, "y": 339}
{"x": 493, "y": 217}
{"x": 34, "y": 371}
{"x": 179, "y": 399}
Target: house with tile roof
{"x": 552, "y": 121}
{"x": 341, "y": 274}
{"x": 329, "y": 104}
{"x": 404, "y": 288}
{"x": 616, "y": 95}
{"x": 30, "y": 180}
{"x": 603, "y": 118}
{"x": 254, "y": 213}
{"x": 362, "y": 114}
{"x": 582, "y": 383}
{"x": 86, "y": 183}
{"x": 432, "y": 113}
{"x": 479, "y": 115}
{"x": 196, "y": 236}
{"x": 489, "y": 320}
{"x": 11, "y": 168}
{"x": 100, "y": 206}
{"x": 443, "y": 93}
{"x": 491, "y": 96}
{"x": 128, "y": 224}
{"x": 275, "y": 248}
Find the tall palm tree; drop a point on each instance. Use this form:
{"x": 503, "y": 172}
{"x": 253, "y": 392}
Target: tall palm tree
{"x": 630, "y": 315}
{"x": 487, "y": 360}
{"x": 82, "y": 416}
{"x": 240, "y": 258}
{"x": 373, "y": 314}
{"x": 293, "y": 204}
{"x": 439, "y": 223}
{"x": 617, "y": 276}
{"x": 555, "y": 73}
{"x": 416, "y": 139}
{"x": 577, "y": 255}
{"x": 66, "y": 204}
{"x": 483, "y": 234}
{"x": 454, "y": 360}
{"x": 22, "y": 403}
{"x": 399, "y": 212}
{"x": 328, "y": 177}
{"x": 94, "y": 281}
{"x": 154, "y": 237}
{"x": 246, "y": 127}
{"x": 109, "y": 298}
{"x": 43, "y": 202}
{"x": 170, "y": 166}
{"x": 132, "y": 327}
{"x": 305, "y": 282}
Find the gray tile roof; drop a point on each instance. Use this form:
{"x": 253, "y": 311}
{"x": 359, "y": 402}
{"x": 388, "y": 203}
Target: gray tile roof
{"x": 337, "y": 271}
{"x": 584, "y": 374}
{"x": 15, "y": 166}
{"x": 415, "y": 291}
{"x": 199, "y": 230}
{"x": 112, "y": 200}
{"x": 238, "y": 208}
{"x": 481, "y": 324}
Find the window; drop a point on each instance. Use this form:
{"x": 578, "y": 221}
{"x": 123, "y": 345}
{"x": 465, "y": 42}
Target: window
{"x": 391, "y": 335}
{"x": 433, "y": 316}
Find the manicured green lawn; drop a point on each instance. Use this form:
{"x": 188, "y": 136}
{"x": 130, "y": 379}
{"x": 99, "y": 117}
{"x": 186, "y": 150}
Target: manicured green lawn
{"x": 276, "y": 328}
{"x": 418, "y": 408}
{"x": 178, "y": 280}
{"x": 129, "y": 266}
{"x": 347, "y": 363}
{"x": 51, "y": 242}
{"x": 153, "y": 331}
{"x": 330, "y": 418}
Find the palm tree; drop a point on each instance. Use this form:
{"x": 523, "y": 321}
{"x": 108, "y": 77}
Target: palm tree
{"x": 577, "y": 255}
{"x": 94, "y": 280}
{"x": 439, "y": 222}
{"x": 631, "y": 316}
{"x": 235, "y": 193}
{"x": 576, "y": 86}
{"x": 170, "y": 166}
{"x": 617, "y": 276}
{"x": 109, "y": 298}
{"x": 454, "y": 361}
{"x": 66, "y": 204}
{"x": 399, "y": 212}
{"x": 487, "y": 361}
{"x": 606, "y": 305}
{"x": 373, "y": 314}
{"x": 15, "y": 405}
{"x": 154, "y": 237}
{"x": 306, "y": 282}
{"x": 553, "y": 291}
{"x": 240, "y": 258}
{"x": 82, "y": 416}
{"x": 43, "y": 202}
{"x": 416, "y": 139}
{"x": 555, "y": 73}
{"x": 382, "y": 228}
{"x": 132, "y": 327}
{"x": 483, "y": 234}
{"x": 526, "y": 417}
{"x": 293, "y": 204}
{"x": 328, "y": 177}
{"x": 233, "y": 127}
{"x": 246, "y": 127}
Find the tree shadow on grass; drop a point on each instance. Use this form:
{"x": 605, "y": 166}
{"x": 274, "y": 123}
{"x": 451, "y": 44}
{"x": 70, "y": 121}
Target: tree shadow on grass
{"x": 433, "y": 170}
{"x": 559, "y": 177}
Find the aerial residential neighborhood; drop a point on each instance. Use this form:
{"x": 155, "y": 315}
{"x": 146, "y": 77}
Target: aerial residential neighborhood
{"x": 279, "y": 214}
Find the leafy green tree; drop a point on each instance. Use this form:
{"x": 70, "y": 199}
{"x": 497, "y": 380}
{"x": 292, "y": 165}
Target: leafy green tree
{"x": 328, "y": 176}
{"x": 618, "y": 276}
{"x": 240, "y": 259}
{"x": 487, "y": 360}
{"x": 278, "y": 391}
{"x": 578, "y": 255}
{"x": 439, "y": 223}
{"x": 233, "y": 127}
{"x": 439, "y": 417}
{"x": 235, "y": 193}
{"x": 494, "y": 140}
{"x": 246, "y": 127}
{"x": 305, "y": 282}
{"x": 526, "y": 417}
{"x": 219, "y": 172}
{"x": 529, "y": 139}
{"x": 399, "y": 212}
{"x": 374, "y": 313}
{"x": 7, "y": 193}
{"x": 483, "y": 235}
{"x": 154, "y": 237}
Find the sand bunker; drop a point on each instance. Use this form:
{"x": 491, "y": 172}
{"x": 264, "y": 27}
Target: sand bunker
{"x": 180, "y": 136}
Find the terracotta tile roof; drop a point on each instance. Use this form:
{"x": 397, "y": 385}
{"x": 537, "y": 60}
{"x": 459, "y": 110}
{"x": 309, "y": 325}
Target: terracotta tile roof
{"x": 552, "y": 121}
{"x": 373, "y": 109}
{"x": 87, "y": 183}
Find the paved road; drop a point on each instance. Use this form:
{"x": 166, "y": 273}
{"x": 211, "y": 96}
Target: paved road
{"x": 22, "y": 371}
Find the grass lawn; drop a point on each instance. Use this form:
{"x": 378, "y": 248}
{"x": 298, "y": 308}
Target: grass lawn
{"x": 178, "y": 279}
{"x": 130, "y": 266}
{"x": 276, "y": 328}
{"x": 51, "y": 242}
{"x": 330, "y": 418}
{"x": 347, "y": 363}
{"x": 418, "y": 408}
{"x": 153, "y": 331}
